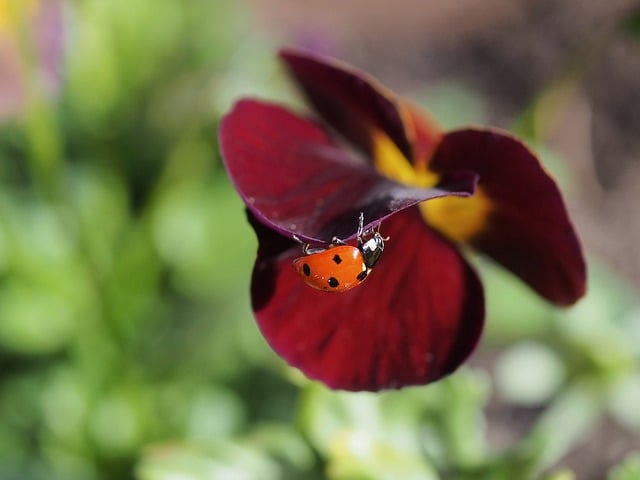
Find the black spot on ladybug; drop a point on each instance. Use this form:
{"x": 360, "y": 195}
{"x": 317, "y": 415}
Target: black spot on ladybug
{"x": 333, "y": 282}
{"x": 362, "y": 275}
{"x": 306, "y": 269}
{"x": 337, "y": 259}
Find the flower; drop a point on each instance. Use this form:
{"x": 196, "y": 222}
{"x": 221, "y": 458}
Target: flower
{"x": 420, "y": 312}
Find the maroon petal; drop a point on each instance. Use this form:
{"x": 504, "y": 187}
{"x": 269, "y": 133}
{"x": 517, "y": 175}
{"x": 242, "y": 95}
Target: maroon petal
{"x": 351, "y": 101}
{"x": 528, "y": 229}
{"x": 297, "y": 180}
{"x": 415, "y": 319}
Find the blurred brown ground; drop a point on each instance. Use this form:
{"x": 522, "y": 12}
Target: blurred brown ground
{"x": 510, "y": 51}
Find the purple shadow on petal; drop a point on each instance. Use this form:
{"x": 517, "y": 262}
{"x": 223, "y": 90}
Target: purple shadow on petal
{"x": 296, "y": 179}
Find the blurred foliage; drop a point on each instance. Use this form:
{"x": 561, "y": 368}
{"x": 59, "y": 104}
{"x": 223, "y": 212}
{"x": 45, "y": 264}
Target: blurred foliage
{"x": 627, "y": 470}
{"x": 127, "y": 346}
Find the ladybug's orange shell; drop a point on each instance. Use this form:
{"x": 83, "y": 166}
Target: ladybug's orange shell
{"x": 336, "y": 269}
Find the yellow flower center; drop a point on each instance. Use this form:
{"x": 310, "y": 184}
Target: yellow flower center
{"x": 391, "y": 163}
{"x": 458, "y": 218}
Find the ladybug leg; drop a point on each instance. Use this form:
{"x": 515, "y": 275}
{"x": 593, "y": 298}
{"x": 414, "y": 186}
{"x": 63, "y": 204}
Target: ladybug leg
{"x": 307, "y": 249}
{"x": 337, "y": 241}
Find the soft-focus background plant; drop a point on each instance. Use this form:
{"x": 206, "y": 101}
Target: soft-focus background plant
{"x": 127, "y": 346}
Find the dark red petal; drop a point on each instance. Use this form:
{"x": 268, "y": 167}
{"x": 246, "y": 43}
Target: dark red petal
{"x": 415, "y": 319}
{"x": 528, "y": 229}
{"x": 351, "y": 101}
{"x": 298, "y": 181}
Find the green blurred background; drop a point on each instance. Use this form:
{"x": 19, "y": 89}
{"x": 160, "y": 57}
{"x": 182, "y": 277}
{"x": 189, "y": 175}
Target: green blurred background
{"x": 127, "y": 344}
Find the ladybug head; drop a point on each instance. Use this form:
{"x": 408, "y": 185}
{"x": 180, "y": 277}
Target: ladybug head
{"x": 371, "y": 249}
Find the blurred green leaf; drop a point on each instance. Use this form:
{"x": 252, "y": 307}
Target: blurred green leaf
{"x": 201, "y": 232}
{"x": 561, "y": 475}
{"x": 354, "y": 456}
{"x": 214, "y": 412}
{"x": 454, "y": 431}
{"x": 529, "y": 373}
{"x": 594, "y": 331}
{"x": 628, "y": 469}
{"x": 65, "y": 403}
{"x": 364, "y": 435}
{"x": 283, "y": 441}
{"x": 115, "y": 422}
{"x": 624, "y": 401}
{"x": 45, "y": 290}
{"x": 217, "y": 460}
{"x": 562, "y": 426}
{"x": 513, "y": 311}
{"x": 443, "y": 423}
{"x": 34, "y": 320}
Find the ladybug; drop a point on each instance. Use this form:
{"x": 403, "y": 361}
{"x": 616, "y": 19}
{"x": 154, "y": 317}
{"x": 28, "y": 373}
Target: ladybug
{"x": 340, "y": 267}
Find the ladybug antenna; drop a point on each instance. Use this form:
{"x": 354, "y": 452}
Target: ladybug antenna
{"x": 360, "y": 225}
{"x": 386, "y": 239}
